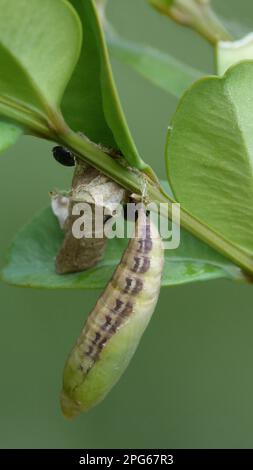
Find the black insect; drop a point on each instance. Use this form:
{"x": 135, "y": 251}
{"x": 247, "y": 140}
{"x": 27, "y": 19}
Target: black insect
{"x": 63, "y": 155}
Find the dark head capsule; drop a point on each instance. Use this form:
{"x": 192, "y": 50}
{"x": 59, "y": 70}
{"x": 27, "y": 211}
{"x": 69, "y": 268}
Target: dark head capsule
{"x": 63, "y": 156}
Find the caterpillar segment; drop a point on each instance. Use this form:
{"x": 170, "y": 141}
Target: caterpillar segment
{"x": 114, "y": 327}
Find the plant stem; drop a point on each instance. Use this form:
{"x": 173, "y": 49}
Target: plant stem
{"x": 196, "y": 14}
{"x": 132, "y": 180}
{"x": 92, "y": 154}
{"x": 30, "y": 120}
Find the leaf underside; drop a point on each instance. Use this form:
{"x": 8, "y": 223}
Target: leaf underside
{"x": 37, "y": 58}
{"x": 31, "y": 260}
{"x": 36, "y": 49}
{"x": 92, "y": 94}
{"x": 82, "y": 104}
{"x": 210, "y": 154}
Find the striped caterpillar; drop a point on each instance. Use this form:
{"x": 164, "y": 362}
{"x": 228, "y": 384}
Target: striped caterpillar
{"x": 114, "y": 327}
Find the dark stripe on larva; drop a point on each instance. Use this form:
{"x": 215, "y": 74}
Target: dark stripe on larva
{"x": 145, "y": 246}
{"x": 128, "y": 308}
{"x": 108, "y": 321}
{"x": 89, "y": 351}
{"x": 113, "y": 316}
{"x": 146, "y": 231}
{"x": 110, "y": 326}
{"x": 141, "y": 265}
{"x": 114, "y": 327}
{"x": 97, "y": 338}
{"x": 134, "y": 285}
{"x": 122, "y": 308}
{"x": 118, "y": 306}
{"x": 102, "y": 343}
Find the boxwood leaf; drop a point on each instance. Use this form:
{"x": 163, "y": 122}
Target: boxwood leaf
{"x": 39, "y": 47}
{"x": 92, "y": 103}
{"x": 82, "y": 104}
{"x": 210, "y": 151}
{"x": 31, "y": 260}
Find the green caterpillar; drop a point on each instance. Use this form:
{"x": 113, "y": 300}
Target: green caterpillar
{"x": 114, "y": 327}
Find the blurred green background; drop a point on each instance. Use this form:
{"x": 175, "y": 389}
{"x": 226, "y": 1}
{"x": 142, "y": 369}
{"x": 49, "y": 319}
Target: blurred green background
{"x": 191, "y": 383}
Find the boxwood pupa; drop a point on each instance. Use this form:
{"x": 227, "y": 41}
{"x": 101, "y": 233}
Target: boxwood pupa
{"x": 114, "y": 327}
{"x": 88, "y": 185}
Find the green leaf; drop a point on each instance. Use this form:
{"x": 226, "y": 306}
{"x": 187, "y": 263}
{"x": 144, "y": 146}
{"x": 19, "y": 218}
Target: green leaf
{"x": 9, "y": 134}
{"x": 39, "y": 47}
{"x": 32, "y": 257}
{"x": 210, "y": 152}
{"x": 101, "y": 106}
{"x": 159, "y": 68}
{"x": 82, "y": 104}
{"x": 230, "y": 53}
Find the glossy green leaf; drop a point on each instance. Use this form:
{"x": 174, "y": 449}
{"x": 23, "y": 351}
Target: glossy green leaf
{"x": 39, "y": 47}
{"x": 9, "y": 134}
{"x": 230, "y": 53}
{"x": 32, "y": 256}
{"x": 92, "y": 93}
{"x": 82, "y": 104}
{"x": 159, "y": 68}
{"x": 210, "y": 152}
